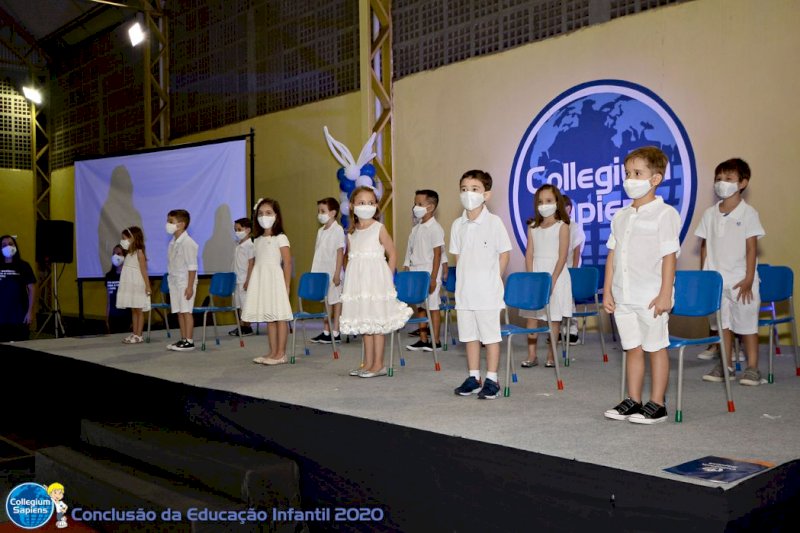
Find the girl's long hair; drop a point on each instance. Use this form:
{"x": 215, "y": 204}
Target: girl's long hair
{"x": 137, "y": 239}
{"x": 561, "y": 209}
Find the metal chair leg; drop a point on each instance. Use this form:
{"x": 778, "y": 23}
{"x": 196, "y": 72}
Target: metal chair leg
{"x": 432, "y": 340}
{"x": 390, "y": 370}
{"x": 622, "y": 381}
{"x": 679, "y": 408}
{"x": 294, "y": 342}
{"x": 600, "y": 329}
{"x": 566, "y": 342}
{"x": 216, "y": 330}
{"x": 507, "y": 387}
{"x": 725, "y": 374}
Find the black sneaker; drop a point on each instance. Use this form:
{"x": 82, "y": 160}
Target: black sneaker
{"x": 322, "y": 338}
{"x": 624, "y": 410}
{"x": 183, "y": 346}
{"x": 471, "y": 385}
{"x": 652, "y": 413}
{"x": 428, "y": 346}
{"x": 417, "y": 346}
{"x": 489, "y": 391}
{"x": 246, "y": 332}
{"x": 573, "y": 339}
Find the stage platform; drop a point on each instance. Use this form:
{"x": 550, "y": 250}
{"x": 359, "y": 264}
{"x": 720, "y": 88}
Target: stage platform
{"x": 433, "y": 460}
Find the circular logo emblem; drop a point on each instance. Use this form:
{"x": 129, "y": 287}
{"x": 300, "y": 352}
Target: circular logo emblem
{"x": 29, "y": 506}
{"x": 578, "y": 143}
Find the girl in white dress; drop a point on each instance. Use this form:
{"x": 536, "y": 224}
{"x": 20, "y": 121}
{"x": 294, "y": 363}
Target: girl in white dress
{"x": 369, "y": 300}
{"x": 134, "y": 285}
{"x": 329, "y": 258}
{"x": 268, "y": 290}
{"x": 548, "y": 247}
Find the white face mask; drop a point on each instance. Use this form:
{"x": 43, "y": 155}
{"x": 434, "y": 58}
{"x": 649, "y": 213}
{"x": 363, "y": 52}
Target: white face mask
{"x": 725, "y": 189}
{"x": 240, "y": 235}
{"x": 9, "y": 251}
{"x": 266, "y": 221}
{"x": 546, "y": 209}
{"x": 419, "y": 211}
{"x": 323, "y": 218}
{"x": 635, "y": 189}
{"x": 365, "y": 212}
{"x": 125, "y": 243}
{"x": 171, "y": 228}
{"x": 471, "y": 200}
{"x": 117, "y": 260}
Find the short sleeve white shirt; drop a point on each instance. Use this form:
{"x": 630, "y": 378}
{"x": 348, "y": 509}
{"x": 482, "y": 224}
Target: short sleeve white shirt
{"x": 478, "y": 244}
{"x": 329, "y": 241}
{"x": 577, "y": 238}
{"x": 726, "y": 240}
{"x": 640, "y": 239}
{"x": 424, "y": 238}
{"x": 182, "y": 259}
{"x": 245, "y": 251}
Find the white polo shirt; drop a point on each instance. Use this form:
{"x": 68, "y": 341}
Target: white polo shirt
{"x": 640, "y": 239}
{"x": 726, "y": 240}
{"x": 424, "y": 237}
{"x": 182, "y": 253}
{"x": 577, "y": 238}
{"x": 245, "y": 251}
{"x": 478, "y": 245}
{"x": 328, "y": 242}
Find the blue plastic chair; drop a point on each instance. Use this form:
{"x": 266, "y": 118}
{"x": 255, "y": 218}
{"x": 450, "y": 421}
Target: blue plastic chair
{"x": 777, "y": 285}
{"x": 412, "y": 289}
{"x": 163, "y": 307}
{"x": 585, "y": 282}
{"x": 529, "y": 291}
{"x": 313, "y": 288}
{"x": 698, "y": 293}
{"x": 448, "y": 305}
{"x": 222, "y": 286}
{"x": 769, "y": 307}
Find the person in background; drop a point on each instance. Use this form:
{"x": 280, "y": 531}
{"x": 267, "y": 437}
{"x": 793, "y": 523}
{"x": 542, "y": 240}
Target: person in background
{"x": 117, "y": 320}
{"x": 17, "y": 293}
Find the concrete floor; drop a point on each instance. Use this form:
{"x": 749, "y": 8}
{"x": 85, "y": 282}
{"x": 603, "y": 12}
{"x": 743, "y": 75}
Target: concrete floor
{"x": 536, "y": 417}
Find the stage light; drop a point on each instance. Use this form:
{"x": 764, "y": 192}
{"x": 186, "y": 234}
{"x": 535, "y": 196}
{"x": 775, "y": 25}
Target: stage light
{"x": 32, "y": 94}
{"x": 136, "y": 34}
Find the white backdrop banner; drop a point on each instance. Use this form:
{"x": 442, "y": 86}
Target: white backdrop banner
{"x": 114, "y": 193}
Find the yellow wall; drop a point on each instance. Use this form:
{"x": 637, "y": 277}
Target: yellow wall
{"x": 16, "y": 211}
{"x": 725, "y": 67}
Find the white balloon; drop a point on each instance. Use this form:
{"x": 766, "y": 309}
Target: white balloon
{"x": 364, "y": 181}
{"x": 378, "y": 188}
{"x": 344, "y": 207}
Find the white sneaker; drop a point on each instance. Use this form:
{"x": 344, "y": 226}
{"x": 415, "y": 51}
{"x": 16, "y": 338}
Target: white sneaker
{"x": 742, "y": 357}
{"x": 708, "y": 354}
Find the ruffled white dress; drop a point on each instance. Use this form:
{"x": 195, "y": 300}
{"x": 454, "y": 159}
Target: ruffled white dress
{"x": 369, "y": 299}
{"x": 267, "y": 300}
{"x": 545, "y": 256}
{"x": 131, "y": 292}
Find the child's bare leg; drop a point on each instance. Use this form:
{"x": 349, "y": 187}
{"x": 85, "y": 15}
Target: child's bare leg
{"x": 659, "y": 369}
{"x": 423, "y": 332}
{"x": 369, "y": 353}
{"x": 282, "y": 328}
{"x": 335, "y": 314}
{"x": 272, "y": 334}
{"x": 378, "y": 342}
{"x": 137, "y": 319}
{"x": 634, "y": 372}
{"x": 436, "y": 318}
{"x": 751, "y": 349}
{"x": 531, "y": 323}
{"x": 492, "y": 357}
{"x": 474, "y": 355}
{"x": 187, "y": 325}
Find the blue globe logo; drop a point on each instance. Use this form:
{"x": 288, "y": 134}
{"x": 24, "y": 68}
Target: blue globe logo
{"x": 29, "y": 506}
{"x": 579, "y": 141}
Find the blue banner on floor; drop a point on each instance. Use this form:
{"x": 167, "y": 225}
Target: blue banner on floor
{"x": 719, "y": 469}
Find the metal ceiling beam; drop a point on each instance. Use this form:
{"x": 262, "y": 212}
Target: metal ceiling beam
{"x": 156, "y": 75}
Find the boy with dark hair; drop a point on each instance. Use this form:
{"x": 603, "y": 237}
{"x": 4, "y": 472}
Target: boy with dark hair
{"x": 182, "y": 276}
{"x": 244, "y": 258}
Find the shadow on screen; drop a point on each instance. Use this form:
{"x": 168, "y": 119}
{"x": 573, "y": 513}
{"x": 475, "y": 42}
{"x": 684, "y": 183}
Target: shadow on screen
{"x": 218, "y": 250}
{"x": 117, "y": 214}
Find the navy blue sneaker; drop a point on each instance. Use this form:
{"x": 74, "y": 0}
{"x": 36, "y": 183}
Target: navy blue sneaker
{"x": 489, "y": 391}
{"x": 470, "y": 386}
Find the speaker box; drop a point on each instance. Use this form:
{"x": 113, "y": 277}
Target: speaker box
{"x": 54, "y": 241}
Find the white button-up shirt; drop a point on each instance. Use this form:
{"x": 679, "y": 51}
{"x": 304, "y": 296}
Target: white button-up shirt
{"x": 478, "y": 244}
{"x": 726, "y": 240}
{"x": 640, "y": 239}
{"x": 182, "y": 258}
{"x": 424, "y": 238}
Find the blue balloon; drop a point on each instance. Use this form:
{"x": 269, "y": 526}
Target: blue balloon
{"x": 340, "y": 174}
{"x": 345, "y": 221}
{"x": 368, "y": 170}
{"x": 346, "y": 185}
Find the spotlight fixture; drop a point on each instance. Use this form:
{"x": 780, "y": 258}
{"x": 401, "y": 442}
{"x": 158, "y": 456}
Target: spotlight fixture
{"x": 32, "y": 94}
{"x": 136, "y": 33}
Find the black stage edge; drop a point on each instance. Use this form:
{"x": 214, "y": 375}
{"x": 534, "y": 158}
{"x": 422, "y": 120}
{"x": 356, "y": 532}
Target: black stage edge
{"x": 423, "y": 481}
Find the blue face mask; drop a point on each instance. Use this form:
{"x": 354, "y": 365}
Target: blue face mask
{"x": 9, "y": 251}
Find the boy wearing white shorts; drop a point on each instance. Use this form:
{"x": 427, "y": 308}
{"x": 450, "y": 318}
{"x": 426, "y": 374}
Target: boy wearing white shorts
{"x": 639, "y": 283}
{"x": 479, "y": 241}
{"x": 729, "y": 231}
{"x": 425, "y": 253}
{"x": 244, "y": 258}
{"x": 182, "y": 276}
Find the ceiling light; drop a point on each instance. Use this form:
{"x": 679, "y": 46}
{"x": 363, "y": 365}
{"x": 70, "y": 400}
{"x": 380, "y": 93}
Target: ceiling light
{"x": 32, "y": 94}
{"x": 136, "y": 34}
